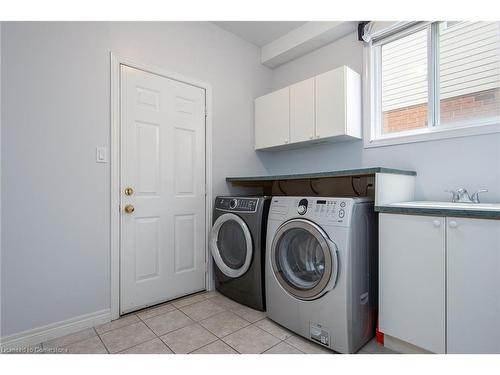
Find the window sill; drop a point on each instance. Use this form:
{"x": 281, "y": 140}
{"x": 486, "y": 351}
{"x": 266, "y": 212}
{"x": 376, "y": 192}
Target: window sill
{"x": 432, "y": 135}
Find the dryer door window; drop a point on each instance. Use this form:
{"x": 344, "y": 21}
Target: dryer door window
{"x": 231, "y": 245}
{"x": 304, "y": 259}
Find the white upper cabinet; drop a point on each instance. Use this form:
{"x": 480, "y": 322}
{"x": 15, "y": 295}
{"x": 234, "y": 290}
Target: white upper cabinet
{"x": 325, "y": 108}
{"x": 302, "y": 111}
{"x": 272, "y": 113}
{"x": 338, "y": 104}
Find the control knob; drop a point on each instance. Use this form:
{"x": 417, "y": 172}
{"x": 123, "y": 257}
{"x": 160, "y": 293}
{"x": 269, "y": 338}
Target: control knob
{"x": 233, "y": 203}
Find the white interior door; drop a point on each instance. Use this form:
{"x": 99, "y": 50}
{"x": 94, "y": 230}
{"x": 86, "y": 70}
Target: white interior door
{"x": 162, "y": 247}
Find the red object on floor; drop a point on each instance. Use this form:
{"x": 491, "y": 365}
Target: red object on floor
{"x": 379, "y": 335}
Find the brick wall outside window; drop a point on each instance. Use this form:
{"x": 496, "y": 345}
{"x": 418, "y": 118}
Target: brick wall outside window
{"x": 477, "y": 105}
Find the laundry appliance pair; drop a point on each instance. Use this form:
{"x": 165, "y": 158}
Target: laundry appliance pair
{"x": 310, "y": 262}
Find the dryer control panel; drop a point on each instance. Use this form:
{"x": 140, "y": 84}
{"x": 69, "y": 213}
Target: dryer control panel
{"x": 236, "y": 204}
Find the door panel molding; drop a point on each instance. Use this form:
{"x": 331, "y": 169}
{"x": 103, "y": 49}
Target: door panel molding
{"x": 148, "y": 98}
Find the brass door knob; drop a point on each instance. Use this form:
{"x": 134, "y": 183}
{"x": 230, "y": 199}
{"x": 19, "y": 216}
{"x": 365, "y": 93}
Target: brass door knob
{"x": 129, "y": 208}
{"x": 129, "y": 191}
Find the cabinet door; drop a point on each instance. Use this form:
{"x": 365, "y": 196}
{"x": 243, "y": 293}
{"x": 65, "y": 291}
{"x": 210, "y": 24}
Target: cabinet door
{"x": 330, "y": 104}
{"x": 412, "y": 279}
{"x": 302, "y": 111}
{"x": 473, "y": 285}
{"x": 272, "y": 119}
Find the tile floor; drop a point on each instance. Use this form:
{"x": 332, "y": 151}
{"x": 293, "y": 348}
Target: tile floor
{"x": 204, "y": 323}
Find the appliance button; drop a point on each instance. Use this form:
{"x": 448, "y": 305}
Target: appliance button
{"x": 342, "y": 204}
{"x": 341, "y": 213}
{"x": 301, "y": 209}
{"x": 233, "y": 203}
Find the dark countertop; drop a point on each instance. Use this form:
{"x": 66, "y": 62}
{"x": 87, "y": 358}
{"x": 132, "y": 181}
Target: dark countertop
{"x": 472, "y": 212}
{"x": 338, "y": 173}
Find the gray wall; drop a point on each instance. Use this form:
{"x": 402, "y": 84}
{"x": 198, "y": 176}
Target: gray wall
{"x": 471, "y": 162}
{"x": 55, "y": 198}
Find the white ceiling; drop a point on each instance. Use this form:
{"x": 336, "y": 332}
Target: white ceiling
{"x": 259, "y": 32}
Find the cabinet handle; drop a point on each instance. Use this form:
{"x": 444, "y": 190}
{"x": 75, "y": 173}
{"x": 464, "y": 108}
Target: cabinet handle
{"x": 286, "y": 140}
{"x": 436, "y": 223}
{"x": 453, "y": 224}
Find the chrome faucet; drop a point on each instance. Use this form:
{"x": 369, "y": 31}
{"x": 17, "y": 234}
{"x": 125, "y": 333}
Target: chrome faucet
{"x": 475, "y": 197}
{"x": 462, "y": 196}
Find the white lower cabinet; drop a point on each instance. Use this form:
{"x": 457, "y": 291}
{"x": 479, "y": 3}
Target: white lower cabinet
{"x": 473, "y": 285}
{"x": 412, "y": 279}
{"x": 439, "y": 281}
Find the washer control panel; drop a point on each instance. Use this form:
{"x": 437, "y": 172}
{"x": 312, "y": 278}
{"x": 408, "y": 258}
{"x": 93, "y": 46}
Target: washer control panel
{"x": 331, "y": 209}
{"x": 236, "y": 204}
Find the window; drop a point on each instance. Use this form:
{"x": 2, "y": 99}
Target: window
{"x": 434, "y": 80}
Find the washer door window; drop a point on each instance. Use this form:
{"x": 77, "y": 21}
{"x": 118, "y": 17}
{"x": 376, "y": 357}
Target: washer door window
{"x": 231, "y": 245}
{"x": 304, "y": 260}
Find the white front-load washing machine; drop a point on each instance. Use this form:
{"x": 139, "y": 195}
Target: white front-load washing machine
{"x": 321, "y": 269}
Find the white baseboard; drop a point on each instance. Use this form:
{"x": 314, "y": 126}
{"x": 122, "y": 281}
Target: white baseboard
{"x": 54, "y": 330}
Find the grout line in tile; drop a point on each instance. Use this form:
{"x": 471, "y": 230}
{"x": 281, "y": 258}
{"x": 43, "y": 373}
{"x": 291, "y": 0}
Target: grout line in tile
{"x": 151, "y": 317}
{"x": 140, "y": 321}
{"x": 144, "y": 320}
{"x": 114, "y": 329}
{"x": 159, "y": 336}
{"x": 218, "y": 339}
{"x": 258, "y": 320}
{"x": 273, "y": 335}
{"x": 228, "y": 344}
{"x": 121, "y": 351}
{"x": 105, "y": 347}
{"x": 240, "y": 330}
{"x": 279, "y": 342}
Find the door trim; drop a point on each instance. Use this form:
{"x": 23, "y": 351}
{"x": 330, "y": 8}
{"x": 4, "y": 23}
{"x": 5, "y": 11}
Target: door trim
{"x": 116, "y": 61}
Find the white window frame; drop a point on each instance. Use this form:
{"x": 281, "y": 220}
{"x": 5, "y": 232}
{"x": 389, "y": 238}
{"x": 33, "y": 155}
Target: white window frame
{"x": 372, "y": 95}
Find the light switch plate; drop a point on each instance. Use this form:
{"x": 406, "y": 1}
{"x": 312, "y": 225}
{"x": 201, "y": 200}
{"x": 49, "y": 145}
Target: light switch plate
{"x": 101, "y": 155}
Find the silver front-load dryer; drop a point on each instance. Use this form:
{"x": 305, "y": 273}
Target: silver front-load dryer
{"x": 321, "y": 262}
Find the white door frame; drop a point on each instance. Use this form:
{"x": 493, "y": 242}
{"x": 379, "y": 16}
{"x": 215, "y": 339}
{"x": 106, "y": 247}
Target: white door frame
{"x": 116, "y": 61}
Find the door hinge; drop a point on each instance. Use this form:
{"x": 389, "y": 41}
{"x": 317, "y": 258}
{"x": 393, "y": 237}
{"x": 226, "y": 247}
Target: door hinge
{"x": 206, "y": 112}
